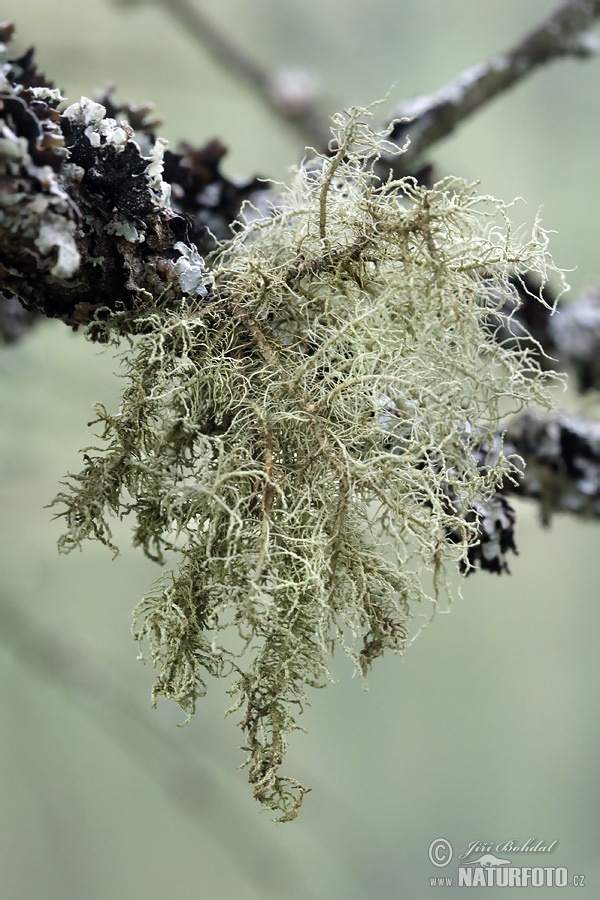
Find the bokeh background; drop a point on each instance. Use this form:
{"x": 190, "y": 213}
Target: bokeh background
{"x": 488, "y": 728}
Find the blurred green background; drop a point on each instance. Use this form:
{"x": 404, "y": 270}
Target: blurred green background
{"x": 487, "y": 729}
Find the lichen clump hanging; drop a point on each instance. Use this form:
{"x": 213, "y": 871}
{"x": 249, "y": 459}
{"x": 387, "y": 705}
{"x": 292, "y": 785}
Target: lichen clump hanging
{"x": 307, "y": 437}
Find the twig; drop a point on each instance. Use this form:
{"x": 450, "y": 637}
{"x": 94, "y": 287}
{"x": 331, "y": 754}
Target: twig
{"x": 289, "y": 93}
{"x": 433, "y": 118}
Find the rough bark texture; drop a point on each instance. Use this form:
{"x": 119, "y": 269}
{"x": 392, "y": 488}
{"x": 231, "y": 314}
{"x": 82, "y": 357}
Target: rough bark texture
{"x": 87, "y": 219}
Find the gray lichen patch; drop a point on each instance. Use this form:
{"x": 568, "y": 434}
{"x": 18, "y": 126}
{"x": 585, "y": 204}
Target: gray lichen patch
{"x": 35, "y": 208}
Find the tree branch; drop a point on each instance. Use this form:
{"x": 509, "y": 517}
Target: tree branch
{"x": 562, "y": 463}
{"x": 558, "y": 467}
{"x": 84, "y": 226}
{"x": 104, "y": 236}
{"x": 432, "y": 118}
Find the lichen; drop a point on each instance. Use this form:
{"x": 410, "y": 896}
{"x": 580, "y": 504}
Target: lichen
{"x": 307, "y": 436}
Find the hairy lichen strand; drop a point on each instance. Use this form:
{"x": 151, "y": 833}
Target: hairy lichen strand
{"x": 297, "y": 436}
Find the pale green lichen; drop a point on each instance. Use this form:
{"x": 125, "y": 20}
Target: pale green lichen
{"x": 296, "y": 435}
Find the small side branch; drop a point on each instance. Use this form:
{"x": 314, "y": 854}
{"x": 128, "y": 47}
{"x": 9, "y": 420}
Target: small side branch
{"x": 432, "y": 118}
{"x": 290, "y": 93}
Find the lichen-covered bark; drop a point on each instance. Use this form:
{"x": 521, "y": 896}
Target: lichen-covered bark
{"x": 87, "y": 226}
{"x": 561, "y": 456}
